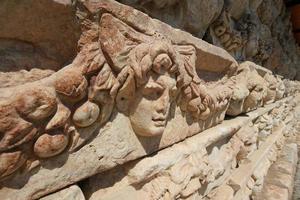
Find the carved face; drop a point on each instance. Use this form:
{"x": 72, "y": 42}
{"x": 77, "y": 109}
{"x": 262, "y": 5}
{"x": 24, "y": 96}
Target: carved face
{"x": 150, "y": 109}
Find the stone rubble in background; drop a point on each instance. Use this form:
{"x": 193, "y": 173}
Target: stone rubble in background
{"x": 254, "y": 30}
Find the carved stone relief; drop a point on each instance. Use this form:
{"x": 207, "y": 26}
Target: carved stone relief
{"x": 254, "y": 89}
{"x": 188, "y": 170}
{"x": 141, "y": 76}
{"x": 133, "y": 89}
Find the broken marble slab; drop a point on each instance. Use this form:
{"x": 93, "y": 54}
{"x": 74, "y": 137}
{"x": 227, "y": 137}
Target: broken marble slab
{"x": 127, "y": 180}
{"x": 172, "y": 172}
{"x": 72, "y": 192}
{"x": 116, "y": 142}
{"x": 209, "y": 57}
{"x": 241, "y": 176}
{"x": 249, "y": 179}
{"x": 280, "y": 176}
{"x": 114, "y": 145}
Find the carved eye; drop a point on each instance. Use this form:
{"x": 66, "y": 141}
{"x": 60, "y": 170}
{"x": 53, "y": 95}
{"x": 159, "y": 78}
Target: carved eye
{"x": 258, "y": 89}
{"x": 158, "y": 93}
{"x": 152, "y": 93}
{"x": 240, "y": 71}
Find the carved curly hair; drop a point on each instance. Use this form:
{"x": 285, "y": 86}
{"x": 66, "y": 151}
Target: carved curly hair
{"x": 141, "y": 59}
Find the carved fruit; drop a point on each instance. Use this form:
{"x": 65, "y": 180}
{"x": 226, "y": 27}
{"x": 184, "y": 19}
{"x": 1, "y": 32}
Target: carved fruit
{"x": 10, "y": 162}
{"x": 50, "y": 145}
{"x": 60, "y": 118}
{"x": 72, "y": 86}
{"x": 86, "y": 114}
{"x": 35, "y": 104}
{"x": 14, "y": 132}
{"x": 17, "y": 136}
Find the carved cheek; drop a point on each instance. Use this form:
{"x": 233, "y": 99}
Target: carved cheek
{"x": 141, "y": 108}
{"x": 146, "y": 106}
{"x": 141, "y": 116}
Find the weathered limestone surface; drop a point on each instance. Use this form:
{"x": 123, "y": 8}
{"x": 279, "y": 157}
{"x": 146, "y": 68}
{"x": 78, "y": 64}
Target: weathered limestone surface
{"x": 281, "y": 175}
{"x": 296, "y": 194}
{"x": 255, "y": 30}
{"x": 70, "y": 193}
{"x": 36, "y": 26}
{"x": 193, "y": 16}
{"x": 118, "y": 96}
{"x": 194, "y": 167}
{"x": 36, "y": 39}
{"x": 115, "y": 104}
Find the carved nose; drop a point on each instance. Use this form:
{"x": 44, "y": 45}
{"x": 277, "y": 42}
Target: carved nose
{"x": 162, "y": 104}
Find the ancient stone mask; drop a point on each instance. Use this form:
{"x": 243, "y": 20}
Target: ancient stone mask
{"x": 150, "y": 109}
{"x": 148, "y": 92}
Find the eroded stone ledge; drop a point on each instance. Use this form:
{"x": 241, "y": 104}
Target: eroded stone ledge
{"x": 279, "y": 181}
{"x": 190, "y": 167}
{"x": 72, "y": 192}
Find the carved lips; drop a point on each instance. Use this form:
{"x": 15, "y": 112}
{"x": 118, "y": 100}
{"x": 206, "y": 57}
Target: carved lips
{"x": 159, "y": 121}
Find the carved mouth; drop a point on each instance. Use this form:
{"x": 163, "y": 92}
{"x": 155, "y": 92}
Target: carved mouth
{"x": 159, "y": 121}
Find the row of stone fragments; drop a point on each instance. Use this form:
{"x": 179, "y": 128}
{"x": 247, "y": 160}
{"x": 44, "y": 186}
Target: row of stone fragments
{"x": 123, "y": 99}
{"x": 248, "y": 157}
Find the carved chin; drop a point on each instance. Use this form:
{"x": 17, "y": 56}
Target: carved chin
{"x": 149, "y": 131}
